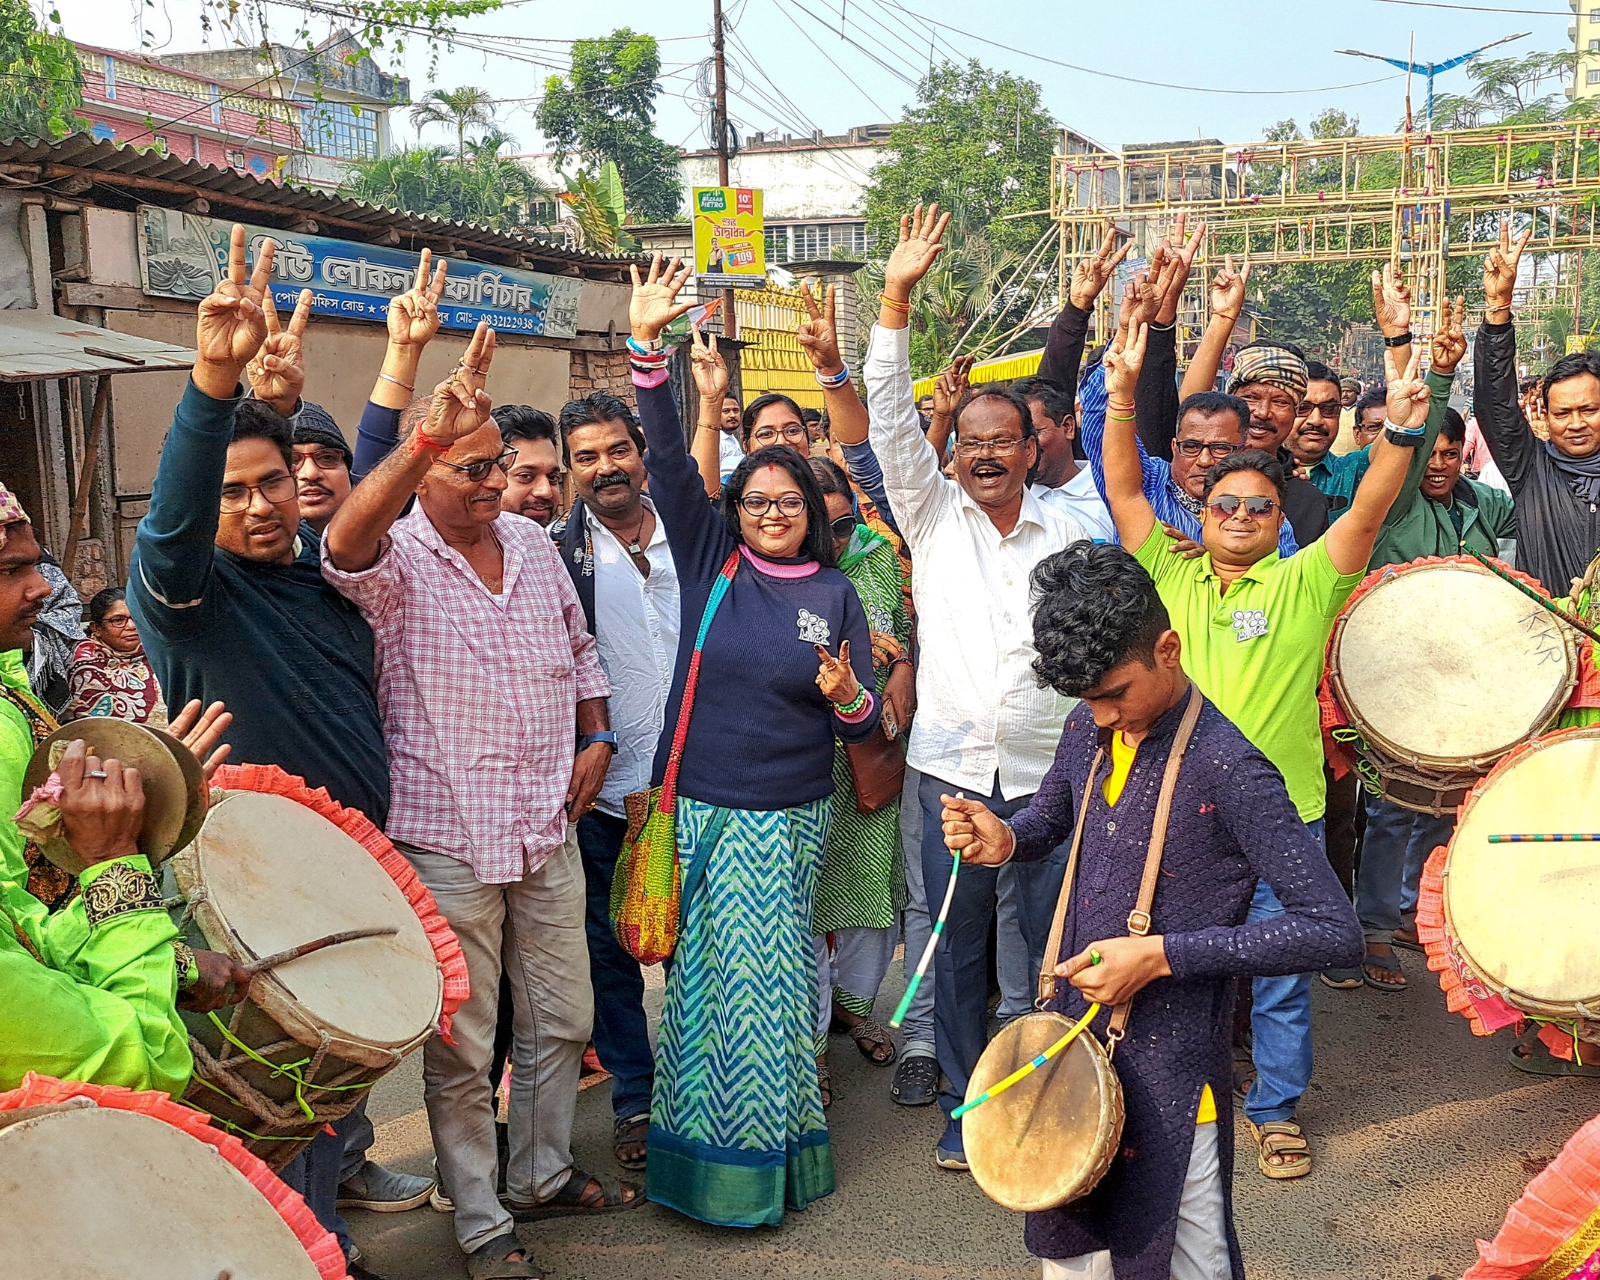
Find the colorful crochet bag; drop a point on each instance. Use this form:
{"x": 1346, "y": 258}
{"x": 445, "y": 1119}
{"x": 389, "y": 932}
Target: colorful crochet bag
{"x": 647, "y": 890}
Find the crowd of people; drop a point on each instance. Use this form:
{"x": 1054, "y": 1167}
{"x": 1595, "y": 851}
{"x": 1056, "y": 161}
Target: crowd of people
{"x": 1046, "y": 625}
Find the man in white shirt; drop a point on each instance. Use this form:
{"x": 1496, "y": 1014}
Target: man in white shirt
{"x": 1062, "y": 481}
{"x": 984, "y": 727}
{"x": 616, "y": 551}
{"x": 730, "y": 444}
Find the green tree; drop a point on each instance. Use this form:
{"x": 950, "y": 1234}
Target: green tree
{"x": 604, "y": 109}
{"x": 41, "y": 83}
{"x": 487, "y": 188}
{"x": 979, "y": 142}
{"x": 458, "y": 109}
{"x": 600, "y": 210}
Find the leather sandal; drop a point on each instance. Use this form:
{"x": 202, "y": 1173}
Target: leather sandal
{"x": 871, "y": 1038}
{"x": 1281, "y": 1138}
{"x": 493, "y": 1261}
{"x": 631, "y": 1132}
{"x": 571, "y": 1200}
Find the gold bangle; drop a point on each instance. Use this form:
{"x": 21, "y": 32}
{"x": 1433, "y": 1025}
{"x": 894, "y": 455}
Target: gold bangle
{"x": 891, "y": 303}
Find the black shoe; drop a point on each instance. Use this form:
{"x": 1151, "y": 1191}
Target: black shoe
{"x": 355, "y": 1269}
{"x": 916, "y": 1081}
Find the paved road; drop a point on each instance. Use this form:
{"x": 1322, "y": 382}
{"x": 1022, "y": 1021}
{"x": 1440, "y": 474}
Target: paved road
{"x": 1423, "y": 1135}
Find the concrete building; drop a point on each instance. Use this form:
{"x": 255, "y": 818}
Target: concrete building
{"x": 1584, "y": 32}
{"x": 343, "y": 98}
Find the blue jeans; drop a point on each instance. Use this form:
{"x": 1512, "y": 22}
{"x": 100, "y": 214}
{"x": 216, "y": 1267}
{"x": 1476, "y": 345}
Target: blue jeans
{"x": 621, "y": 1040}
{"x": 1280, "y": 1026}
{"x": 1393, "y": 850}
{"x": 961, "y": 961}
{"x": 315, "y": 1174}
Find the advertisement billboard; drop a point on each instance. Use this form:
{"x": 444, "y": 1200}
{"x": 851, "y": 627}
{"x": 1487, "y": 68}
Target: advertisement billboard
{"x": 730, "y": 239}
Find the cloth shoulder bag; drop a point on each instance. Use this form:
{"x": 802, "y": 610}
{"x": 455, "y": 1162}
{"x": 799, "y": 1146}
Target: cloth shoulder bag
{"x": 648, "y": 889}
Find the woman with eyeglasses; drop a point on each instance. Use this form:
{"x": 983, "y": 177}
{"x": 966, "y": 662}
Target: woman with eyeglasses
{"x": 862, "y": 886}
{"x": 737, "y": 1132}
{"x": 110, "y": 674}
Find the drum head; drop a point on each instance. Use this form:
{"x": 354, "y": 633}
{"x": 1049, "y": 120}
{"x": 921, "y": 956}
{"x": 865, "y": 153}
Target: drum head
{"x": 279, "y": 874}
{"x": 175, "y": 792}
{"x": 1049, "y": 1138}
{"x": 1523, "y": 915}
{"x": 99, "y": 1194}
{"x": 1428, "y": 702}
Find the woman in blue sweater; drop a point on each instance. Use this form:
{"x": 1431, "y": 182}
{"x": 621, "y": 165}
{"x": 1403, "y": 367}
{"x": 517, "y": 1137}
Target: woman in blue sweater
{"x": 736, "y": 1127}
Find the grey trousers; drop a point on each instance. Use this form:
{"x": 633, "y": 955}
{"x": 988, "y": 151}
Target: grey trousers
{"x": 535, "y": 929}
{"x": 917, "y": 926}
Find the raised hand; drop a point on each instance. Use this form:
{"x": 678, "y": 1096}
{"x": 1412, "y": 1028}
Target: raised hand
{"x": 836, "y": 677}
{"x": 1227, "y": 288}
{"x": 202, "y": 733}
{"x": 1180, "y": 255}
{"x": 1090, "y": 274}
{"x": 102, "y": 806}
{"x": 818, "y": 334}
{"x": 951, "y": 385}
{"x": 414, "y": 315}
{"x": 457, "y": 410}
{"x": 1407, "y": 394}
{"x": 973, "y": 832}
{"x": 1449, "y": 341}
{"x": 1391, "y": 299}
{"x": 278, "y": 372}
{"x": 473, "y": 367}
{"x": 655, "y": 304}
{"x": 1149, "y": 288}
{"x": 1123, "y": 360}
{"x": 710, "y": 370}
{"x": 920, "y": 236}
{"x": 1500, "y": 268}
{"x": 230, "y": 324}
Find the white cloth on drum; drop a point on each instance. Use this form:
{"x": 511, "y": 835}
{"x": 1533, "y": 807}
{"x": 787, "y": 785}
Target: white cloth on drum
{"x": 1200, "y": 1251}
{"x": 534, "y": 928}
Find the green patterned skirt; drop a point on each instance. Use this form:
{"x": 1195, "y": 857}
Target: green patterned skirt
{"x": 737, "y": 1132}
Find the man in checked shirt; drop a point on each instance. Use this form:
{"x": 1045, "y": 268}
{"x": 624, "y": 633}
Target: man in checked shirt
{"x": 488, "y": 678}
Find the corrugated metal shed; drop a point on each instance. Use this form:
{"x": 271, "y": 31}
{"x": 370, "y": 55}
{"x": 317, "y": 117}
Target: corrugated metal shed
{"x": 36, "y": 344}
{"x": 121, "y": 174}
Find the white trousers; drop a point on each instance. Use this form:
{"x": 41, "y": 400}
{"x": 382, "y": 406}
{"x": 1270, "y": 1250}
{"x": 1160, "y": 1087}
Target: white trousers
{"x": 1200, "y": 1251}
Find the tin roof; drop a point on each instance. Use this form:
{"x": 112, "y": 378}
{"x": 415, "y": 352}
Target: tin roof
{"x": 122, "y": 175}
{"x": 36, "y": 344}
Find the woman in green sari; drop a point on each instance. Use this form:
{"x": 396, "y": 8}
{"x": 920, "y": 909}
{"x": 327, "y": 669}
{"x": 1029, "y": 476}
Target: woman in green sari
{"x": 861, "y": 888}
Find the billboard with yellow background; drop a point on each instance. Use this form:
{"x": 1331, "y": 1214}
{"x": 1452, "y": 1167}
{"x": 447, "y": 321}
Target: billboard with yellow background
{"x": 730, "y": 239}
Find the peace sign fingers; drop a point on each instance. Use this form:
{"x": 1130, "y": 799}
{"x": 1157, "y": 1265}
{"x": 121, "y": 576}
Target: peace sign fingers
{"x": 302, "y": 313}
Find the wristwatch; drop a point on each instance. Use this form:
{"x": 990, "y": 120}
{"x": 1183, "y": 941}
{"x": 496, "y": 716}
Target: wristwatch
{"x": 1405, "y": 439}
{"x": 587, "y": 740}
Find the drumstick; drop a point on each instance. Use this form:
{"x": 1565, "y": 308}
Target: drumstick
{"x": 1546, "y": 837}
{"x": 1535, "y": 596}
{"x": 306, "y": 948}
{"x": 933, "y": 941}
{"x": 1028, "y": 1068}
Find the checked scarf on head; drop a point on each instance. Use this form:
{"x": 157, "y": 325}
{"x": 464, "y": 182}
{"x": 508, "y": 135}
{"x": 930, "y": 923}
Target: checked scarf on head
{"x": 1275, "y": 366}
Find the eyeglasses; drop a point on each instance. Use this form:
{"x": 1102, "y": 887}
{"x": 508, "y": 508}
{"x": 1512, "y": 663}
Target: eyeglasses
{"x": 478, "y": 471}
{"x": 794, "y": 434}
{"x": 1227, "y": 505}
{"x": 322, "y": 459}
{"x": 1325, "y": 408}
{"x": 987, "y": 448}
{"x": 843, "y": 527}
{"x": 757, "y": 504}
{"x": 275, "y": 489}
{"x": 1215, "y": 448}
{"x": 121, "y": 623}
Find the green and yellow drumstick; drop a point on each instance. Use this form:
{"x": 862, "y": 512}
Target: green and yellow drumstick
{"x": 904, "y": 1006}
{"x": 1028, "y": 1068}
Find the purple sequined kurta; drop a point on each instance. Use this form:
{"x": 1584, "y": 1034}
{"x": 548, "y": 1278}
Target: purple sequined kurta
{"x": 1232, "y": 823}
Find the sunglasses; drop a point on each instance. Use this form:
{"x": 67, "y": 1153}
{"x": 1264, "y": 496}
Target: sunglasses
{"x": 1227, "y": 505}
{"x": 478, "y": 471}
{"x": 843, "y": 527}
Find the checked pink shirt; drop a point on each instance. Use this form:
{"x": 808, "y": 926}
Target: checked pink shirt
{"x": 478, "y": 692}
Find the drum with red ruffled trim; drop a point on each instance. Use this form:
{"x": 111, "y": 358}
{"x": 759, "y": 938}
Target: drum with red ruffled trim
{"x": 277, "y": 865}
{"x": 105, "y": 1183}
{"x": 1552, "y": 1232}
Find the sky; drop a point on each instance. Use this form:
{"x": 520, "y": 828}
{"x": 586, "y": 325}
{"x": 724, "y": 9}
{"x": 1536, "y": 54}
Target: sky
{"x": 792, "y": 70}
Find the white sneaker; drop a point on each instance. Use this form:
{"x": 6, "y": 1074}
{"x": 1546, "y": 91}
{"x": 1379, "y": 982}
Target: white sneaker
{"x": 437, "y": 1198}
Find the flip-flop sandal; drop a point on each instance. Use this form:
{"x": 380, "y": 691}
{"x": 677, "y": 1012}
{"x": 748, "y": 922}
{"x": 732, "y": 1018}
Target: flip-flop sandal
{"x": 493, "y": 1261}
{"x": 1389, "y": 964}
{"x": 825, "y": 1083}
{"x": 1539, "y": 1061}
{"x": 1342, "y": 979}
{"x": 569, "y": 1201}
{"x": 635, "y": 1130}
{"x": 869, "y": 1036}
{"x": 1281, "y": 1138}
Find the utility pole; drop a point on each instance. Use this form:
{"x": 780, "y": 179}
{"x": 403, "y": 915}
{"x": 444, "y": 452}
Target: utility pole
{"x": 719, "y": 127}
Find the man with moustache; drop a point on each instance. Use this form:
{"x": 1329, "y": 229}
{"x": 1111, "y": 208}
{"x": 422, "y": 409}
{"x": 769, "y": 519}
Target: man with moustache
{"x": 533, "y": 484}
{"x": 1271, "y": 378}
{"x": 1311, "y": 441}
{"x": 494, "y": 711}
{"x": 984, "y": 726}
{"x": 616, "y": 551}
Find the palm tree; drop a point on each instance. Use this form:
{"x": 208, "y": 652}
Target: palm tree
{"x": 489, "y": 189}
{"x": 459, "y": 109}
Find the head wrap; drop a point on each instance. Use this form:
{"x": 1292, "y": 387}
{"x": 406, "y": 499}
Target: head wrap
{"x": 1275, "y": 366}
{"x": 315, "y": 425}
{"x": 11, "y": 512}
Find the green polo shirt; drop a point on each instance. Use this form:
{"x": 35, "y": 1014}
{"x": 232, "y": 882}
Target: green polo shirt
{"x": 1257, "y": 651}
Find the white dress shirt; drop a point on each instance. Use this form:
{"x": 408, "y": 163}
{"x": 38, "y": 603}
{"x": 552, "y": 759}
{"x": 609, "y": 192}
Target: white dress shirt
{"x": 1079, "y": 499}
{"x": 979, "y": 708}
{"x": 636, "y": 625}
{"x": 730, "y": 453}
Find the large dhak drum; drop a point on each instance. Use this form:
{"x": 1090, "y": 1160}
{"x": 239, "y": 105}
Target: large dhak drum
{"x": 1441, "y": 669}
{"x": 108, "y": 1184}
{"x": 1519, "y": 918}
{"x": 267, "y": 873}
{"x": 1048, "y": 1139}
